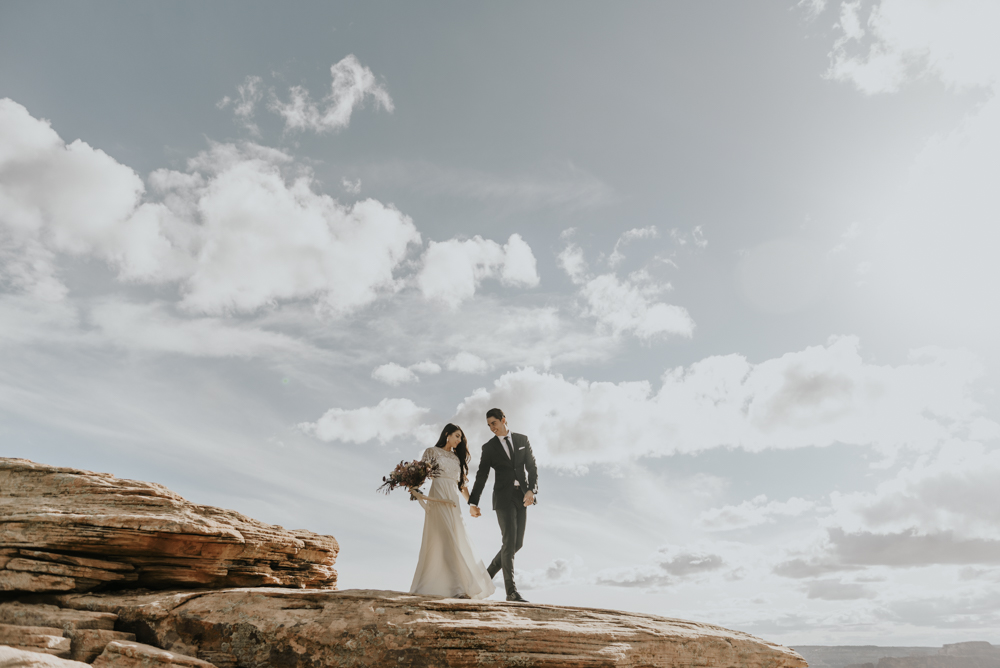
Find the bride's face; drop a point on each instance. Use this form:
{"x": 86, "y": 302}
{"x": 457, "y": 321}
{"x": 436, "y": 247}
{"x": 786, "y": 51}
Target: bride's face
{"x": 454, "y": 438}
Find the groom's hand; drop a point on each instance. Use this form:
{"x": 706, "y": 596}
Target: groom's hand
{"x": 529, "y": 498}
{"x": 474, "y": 511}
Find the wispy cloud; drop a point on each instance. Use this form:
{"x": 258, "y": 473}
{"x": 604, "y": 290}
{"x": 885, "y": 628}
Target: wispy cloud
{"x": 563, "y": 186}
{"x": 250, "y": 92}
{"x": 630, "y": 305}
{"x": 353, "y": 84}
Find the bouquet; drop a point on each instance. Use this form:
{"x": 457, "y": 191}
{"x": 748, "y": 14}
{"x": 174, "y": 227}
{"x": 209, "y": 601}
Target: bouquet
{"x": 410, "y": 476}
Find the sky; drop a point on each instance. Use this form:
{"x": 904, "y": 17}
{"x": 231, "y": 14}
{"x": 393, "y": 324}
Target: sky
{"x": 731, "y": 267}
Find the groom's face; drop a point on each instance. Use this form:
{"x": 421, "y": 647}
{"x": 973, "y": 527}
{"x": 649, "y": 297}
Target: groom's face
{"x": 498, "y": 427}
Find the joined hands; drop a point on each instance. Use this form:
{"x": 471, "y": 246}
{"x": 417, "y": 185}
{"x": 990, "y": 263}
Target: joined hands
{"x": 529, "y": 499}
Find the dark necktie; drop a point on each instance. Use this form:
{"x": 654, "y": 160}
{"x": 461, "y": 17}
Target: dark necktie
{"x": 510, "y": 451}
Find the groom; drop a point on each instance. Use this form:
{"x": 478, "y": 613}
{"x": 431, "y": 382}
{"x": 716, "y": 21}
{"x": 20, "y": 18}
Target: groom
{"x": 514, "y": 489}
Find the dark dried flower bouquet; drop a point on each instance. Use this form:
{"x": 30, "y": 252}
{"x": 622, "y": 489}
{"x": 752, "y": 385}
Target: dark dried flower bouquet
{"x": 409, "y": 476}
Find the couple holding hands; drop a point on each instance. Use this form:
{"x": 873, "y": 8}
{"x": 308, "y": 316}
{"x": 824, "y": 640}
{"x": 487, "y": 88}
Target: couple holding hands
{"x": 448, "y": 566}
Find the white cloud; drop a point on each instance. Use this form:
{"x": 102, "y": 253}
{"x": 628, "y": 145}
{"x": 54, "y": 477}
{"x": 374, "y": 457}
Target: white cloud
{"x": 465, "y": 362}
{"x": 263, "y": 238}
{"x": 394, "y": 374}
{"x": 243, "y": 228}
{"x": 353, "y": 83}
{"x": 754, "y": 512}
{"x": 630, "y": 235}
{"x": 70, "y": 198}
{"x": 454, "y": 269}
{"x": 629, "y": 306}
{"x": 815, "y": 397}
{"x": 390, "y": 419}
{"x": 909, "y": 38}
{"x": 573, "y": 263}
{"x": 426, "y": 367}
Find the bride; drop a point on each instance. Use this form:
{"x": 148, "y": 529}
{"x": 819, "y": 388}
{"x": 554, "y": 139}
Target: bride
{"x": 447, "y": 565}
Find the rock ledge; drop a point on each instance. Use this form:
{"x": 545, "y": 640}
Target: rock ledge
{"x": 64, "y": 529}
{"x": 282, "y": 627}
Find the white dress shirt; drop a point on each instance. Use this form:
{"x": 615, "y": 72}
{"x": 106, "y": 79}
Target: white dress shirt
{"x": 509, "y": 449}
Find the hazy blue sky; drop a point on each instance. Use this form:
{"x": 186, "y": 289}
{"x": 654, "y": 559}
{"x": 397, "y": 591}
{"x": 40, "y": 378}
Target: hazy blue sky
{"x": 730, "y": 266}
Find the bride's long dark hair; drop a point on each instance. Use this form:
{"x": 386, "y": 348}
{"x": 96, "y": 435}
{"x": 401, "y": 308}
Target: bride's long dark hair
{"x": 462, "y": 450}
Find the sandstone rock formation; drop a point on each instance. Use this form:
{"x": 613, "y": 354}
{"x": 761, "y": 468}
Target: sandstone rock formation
{"x": 70, "y": 638}
{"x": 124, "y": 654}
{"x": 281, "y": 627}
{"x": 75, "y": 545}
{"x": 11, "y": 657}
{"x": 64, "y": 529}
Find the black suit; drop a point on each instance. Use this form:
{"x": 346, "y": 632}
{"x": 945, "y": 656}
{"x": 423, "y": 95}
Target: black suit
{"x": 512, "y": 480}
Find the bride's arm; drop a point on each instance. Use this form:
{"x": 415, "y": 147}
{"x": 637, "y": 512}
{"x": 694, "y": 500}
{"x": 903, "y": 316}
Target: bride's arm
{"x": 465, "y": 492}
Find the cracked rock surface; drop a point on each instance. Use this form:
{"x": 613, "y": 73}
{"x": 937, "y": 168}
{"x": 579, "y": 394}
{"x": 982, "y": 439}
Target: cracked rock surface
{"x": 282, "y": 627}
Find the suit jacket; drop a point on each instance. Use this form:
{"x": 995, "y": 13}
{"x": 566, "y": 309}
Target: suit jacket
{"x": 522, "y": 470}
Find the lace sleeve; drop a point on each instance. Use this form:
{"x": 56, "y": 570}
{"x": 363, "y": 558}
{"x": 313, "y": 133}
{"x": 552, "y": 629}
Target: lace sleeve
{"x": 429, "y": 456}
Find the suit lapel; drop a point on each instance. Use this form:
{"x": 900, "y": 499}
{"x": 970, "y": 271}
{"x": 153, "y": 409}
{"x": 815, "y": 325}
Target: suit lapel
{"x": 503, "y": 449}
{"x": 498, "y": 447}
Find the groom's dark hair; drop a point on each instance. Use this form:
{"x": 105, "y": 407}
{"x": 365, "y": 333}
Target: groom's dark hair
{"x": 495, "y": 413}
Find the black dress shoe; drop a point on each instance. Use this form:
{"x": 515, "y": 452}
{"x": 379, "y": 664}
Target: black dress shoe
{"x": 516, "y": 597}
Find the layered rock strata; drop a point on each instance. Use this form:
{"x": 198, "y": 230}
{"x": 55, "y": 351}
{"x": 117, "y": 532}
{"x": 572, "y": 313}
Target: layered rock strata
{"x": 288, "y": 628}
{"x": 64, "y": 529}
{"x": 76, "y": 638}
{"x": 12, "y": 657}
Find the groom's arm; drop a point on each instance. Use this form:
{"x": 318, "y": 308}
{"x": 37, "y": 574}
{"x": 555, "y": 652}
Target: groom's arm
{"x": 481, "y": 475}
{"x": 530, "y": 467}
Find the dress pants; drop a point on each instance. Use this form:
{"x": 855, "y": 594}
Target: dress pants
{"x": 511, "y": 515}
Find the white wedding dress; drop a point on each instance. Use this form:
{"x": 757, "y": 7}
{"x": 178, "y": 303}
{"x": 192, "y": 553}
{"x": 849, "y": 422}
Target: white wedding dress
{"x": 447, "y": 565}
